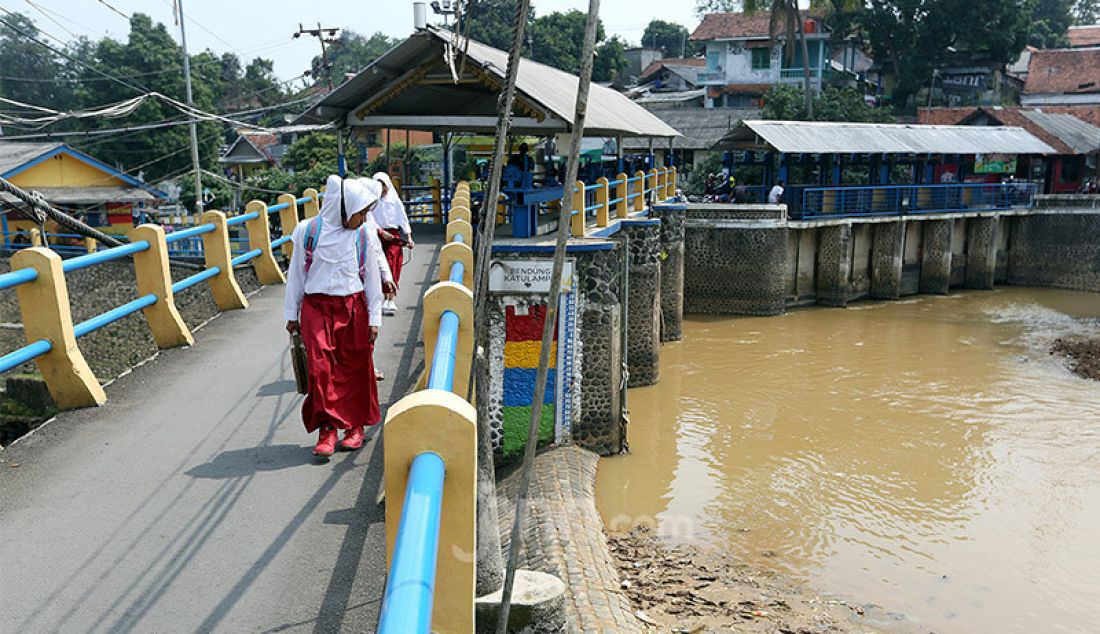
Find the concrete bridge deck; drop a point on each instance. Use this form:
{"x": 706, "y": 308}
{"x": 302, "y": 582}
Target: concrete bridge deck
{"x": 190, "y": 501}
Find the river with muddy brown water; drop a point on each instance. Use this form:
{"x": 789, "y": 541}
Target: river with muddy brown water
{"x": 926, "y": 455}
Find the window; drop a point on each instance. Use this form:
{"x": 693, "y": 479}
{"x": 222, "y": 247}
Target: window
{"x": 714, "y": 60}
{"x": 761, "y": 59}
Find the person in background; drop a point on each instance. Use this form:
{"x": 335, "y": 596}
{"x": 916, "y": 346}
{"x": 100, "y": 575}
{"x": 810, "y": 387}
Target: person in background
{"x": 334, "y": 299}
{"x": 775, "y": 196}
{"x": 392, "y": 221}
{"x": 520, "y": 158}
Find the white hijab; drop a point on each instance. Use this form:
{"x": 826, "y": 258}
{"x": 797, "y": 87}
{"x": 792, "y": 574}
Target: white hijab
{"x": 391, "y": 193}
{"x": 335, "y": 243}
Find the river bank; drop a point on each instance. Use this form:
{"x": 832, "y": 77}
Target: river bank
{"x": 682, "y": 588}
{"x": 1080, "y": 354}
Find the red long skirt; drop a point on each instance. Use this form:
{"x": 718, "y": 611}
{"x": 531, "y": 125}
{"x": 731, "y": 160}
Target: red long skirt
{"x": 394, "y": 255}
{"x": 342, "y": 387}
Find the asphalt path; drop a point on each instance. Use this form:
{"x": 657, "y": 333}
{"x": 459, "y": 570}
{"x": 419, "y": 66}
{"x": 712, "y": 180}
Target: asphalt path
{"x": 191, "y": 502}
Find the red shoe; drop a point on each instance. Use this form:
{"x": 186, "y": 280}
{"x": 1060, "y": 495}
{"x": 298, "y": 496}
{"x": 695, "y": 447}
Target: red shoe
{"x": 326, "y": 442}
{"x": 353, "y": 439}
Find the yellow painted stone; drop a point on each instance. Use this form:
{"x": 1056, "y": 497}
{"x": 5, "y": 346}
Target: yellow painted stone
{"x": 223, "y": 286}
{"x": 525, "y": 354}
{"x": 457, "y": 252}
{"x": 288, "y": 219}
{"x": 154, "y": 276}
{"x": 259, "y": 237}
{"x": 458, "y": 299}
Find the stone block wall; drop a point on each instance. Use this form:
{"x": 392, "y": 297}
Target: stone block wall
{"x": 887, "y": 251}
{"x": 734, "y": 270}
{"x": 598, "y": 425}
{"x": 643, "y": 355}
{"x": 1060, "y": 250}
{"x": 935, "y": 266}
{"x": 834, "y": 263}
{"x": 672, "y": 271}
{"x": 981, "y": 252}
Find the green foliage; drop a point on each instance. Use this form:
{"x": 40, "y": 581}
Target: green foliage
{"x": 610, "y": 60}
{"x": 670, "y": 38}
{"x": 556, "y": 39}
{"x": 316, "y": 148}
{"x": 1086, "y": 12}
{"x": 351, "y": 53}
{"x": 401, "y": 158}
{"x": 712, "y": 164}
{"x": 493, "y": 22}
{"x": 786, "y": 102}
{"x": 1049, "y": 21}
{"x": 22, "y": 58}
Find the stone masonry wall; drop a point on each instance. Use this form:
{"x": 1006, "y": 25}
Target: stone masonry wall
{"x": 598, "y": 426}
{"x": 642, "y": 238}
{"x": 935, "y": 267}
{"x": 1056, "y": 250}
{"x": 672, "y": 272}
{"x": 729, "y": 270}
{"x": 981, "y": 252}
{"x": 834, "y": 263}
{"x": 887, "y": 244}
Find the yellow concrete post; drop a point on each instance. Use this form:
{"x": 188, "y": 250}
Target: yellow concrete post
{"x": 215, "y": 245}
{"x": 44, "y": 305}
{"x": 312, "y": 207}
{"x": 672, "y": 175}
{"x": 259, "y": 237}
{"x": 36, "y": 237}
{"x": 578, "y": 220}
{"x": 620, "y": 192}
{"x": 461, "y": 212}
{"x": 458, "y": 299}
{"x": 154, "y": 276}
{"x": 437, "y": 201}
{"x": 90, "y": 245}
{"x": 603, "y": 213}
{"x": 445, "y": 424}
{"x": 651, "y": 185}
{"x": 288, "y": 218}
{"x": 639, "y": 189}
{"x": 396, "y": 180}
{"x": 456, "y": 227}
{"x": 457, "y": 252}
{"x": 659, "y": 189}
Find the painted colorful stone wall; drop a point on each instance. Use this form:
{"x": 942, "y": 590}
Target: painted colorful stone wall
{"x": 522, "y": 342}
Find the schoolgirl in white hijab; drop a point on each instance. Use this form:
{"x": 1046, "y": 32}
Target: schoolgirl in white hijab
{"x": 334, "y": 299}
{"x": 392, "y": 219}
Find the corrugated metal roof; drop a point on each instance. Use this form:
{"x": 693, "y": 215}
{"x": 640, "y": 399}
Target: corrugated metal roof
{"x": 13, "y": 154}
{"x": 701, "y": 127}
{"x": 1081, "y": 137}
{"x": 818, "y": 137}
{"x": 87, "y": 195}
{"x": 609, "y": 112}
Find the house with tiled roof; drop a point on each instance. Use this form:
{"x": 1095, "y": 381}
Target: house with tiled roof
{"x": 742, "y": 62}
{"x": 1077, "y": 142}
{"x": 1063, "y": 76}
{"x": 673, "y": 74}
{"x": 1085, "y": 36}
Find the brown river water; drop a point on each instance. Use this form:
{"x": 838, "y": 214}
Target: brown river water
{"x": 926, "y": 455}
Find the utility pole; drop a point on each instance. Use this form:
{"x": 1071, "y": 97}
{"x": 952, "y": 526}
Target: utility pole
{"x": 191, "y": 117}
{"x": 319, "y": 33}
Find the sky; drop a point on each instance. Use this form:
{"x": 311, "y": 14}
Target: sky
{"x": 263, "y": 28}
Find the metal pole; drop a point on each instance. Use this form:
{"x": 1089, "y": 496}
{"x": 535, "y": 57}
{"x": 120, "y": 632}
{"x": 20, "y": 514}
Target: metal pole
{"x": 341, "y": 160}
{"x": 564, "y": 217}
{"x": 190, "y": 102}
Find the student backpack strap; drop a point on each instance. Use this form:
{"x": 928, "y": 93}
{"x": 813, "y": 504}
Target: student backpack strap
{"x": 313, "y": 232}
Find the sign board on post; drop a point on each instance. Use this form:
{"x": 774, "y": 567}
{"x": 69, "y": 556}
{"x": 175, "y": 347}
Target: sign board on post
{"x": 514, "y": 277}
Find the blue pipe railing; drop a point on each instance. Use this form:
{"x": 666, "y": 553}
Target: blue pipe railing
{"x": 278, "y": 242}
{"x": 277, "y": 207}
{"x": 458, "y": 271}
{"x": 243, "y": 218}
{"x": 26, "y": 354}
{"x": 196, "y": 278}
{"x": 111, "y": 316}
{"x": 407, "y": 604}
{"x": 442, "y": 373}
{"x": 893, "y": 200}
{"x": 176, "y": 236}
{"x": 17, "y": 277}
{"x": 99, "y": 257}
{"x": 245, "y": 257}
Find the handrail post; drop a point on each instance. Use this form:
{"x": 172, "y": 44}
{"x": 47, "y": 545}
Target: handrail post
{"x": 259, "y": 237}
{"x": 312, "y": 207}
{"x": 460, "y": 227}
{"x": 215, "y": 245}
{"x": 44, "y": 307}
{"x": 90, "y": 245}
{"x": 459, "y": 212}
{"x": 288, "y": 218}
{"x": 441, "y": 423}
{"x": 437, "y": 201}
{"x": 36, "y": 237}
{"x": 454, "y": 297}
{"x": 578, "y": 220}
{"x": 603, "y": 213}
{"x": 651, "y": 185}
{"x": 155, "y": 277}
{"x": 457, "y": 252}
{"x": 639, "y": 199}
{"x": 620, "y": 192}
{"x": 670, "y": 185}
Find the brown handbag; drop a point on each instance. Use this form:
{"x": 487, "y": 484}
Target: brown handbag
{"x": 298, "y": 362}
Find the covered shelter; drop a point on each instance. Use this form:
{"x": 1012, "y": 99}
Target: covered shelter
{"x": 441, "y": 82}
{"x": 841, "y": 165}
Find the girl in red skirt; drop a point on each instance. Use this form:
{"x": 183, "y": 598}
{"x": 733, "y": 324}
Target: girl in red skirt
{"x": 392, "y": 221}
{"x": 334, "y": 298}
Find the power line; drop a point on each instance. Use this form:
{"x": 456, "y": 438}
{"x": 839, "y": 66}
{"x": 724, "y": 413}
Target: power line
{"x": 319, "y": 33}
{"x": 49, "y": 17}
{"x": 112, "y": 8}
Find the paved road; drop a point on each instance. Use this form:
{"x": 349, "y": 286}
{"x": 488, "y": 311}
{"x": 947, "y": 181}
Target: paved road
{"x": 190, "y": 501}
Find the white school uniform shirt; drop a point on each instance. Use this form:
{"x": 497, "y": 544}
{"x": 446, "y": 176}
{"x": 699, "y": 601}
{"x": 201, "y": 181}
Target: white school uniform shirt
{"x": 376, "y": 246}
{"x": 335, "y": 267}
{"x": 390, "y": 211}
{"x": 775, "y": 194}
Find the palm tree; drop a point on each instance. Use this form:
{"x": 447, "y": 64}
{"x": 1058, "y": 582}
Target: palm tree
{"x": 787, "y": 17}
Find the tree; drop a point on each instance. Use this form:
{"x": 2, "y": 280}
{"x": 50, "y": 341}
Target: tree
{"x": 350, "y": 54}
{"x": 787, "y": 103}
{"x": 610, "y": 60}
{"x": 316, "y": 148}
{"x": 1086, "y": 12}
{"x": 670, "y": 38}
{"x": 493, "y": 22}
{"x": 1050, "y": 19}
{"x": 40, "y": 76}
{"x": 556, "y": 39}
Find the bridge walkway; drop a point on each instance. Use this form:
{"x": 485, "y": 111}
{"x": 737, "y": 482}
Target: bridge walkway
{"x": 190, "y": 501}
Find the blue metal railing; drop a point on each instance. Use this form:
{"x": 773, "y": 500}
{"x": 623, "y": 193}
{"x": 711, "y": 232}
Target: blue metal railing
{"x": 243, "y": 218}
{"x": 407, "y": 604}
{"x": 99, "y": 257}
{"x": 893, "y": 200}
{"x": 113, "y": 315}
{"x": 195, "y": 279}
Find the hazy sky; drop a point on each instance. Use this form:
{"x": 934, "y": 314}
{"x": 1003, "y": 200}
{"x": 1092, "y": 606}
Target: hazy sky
{"x": 254, "y": 28}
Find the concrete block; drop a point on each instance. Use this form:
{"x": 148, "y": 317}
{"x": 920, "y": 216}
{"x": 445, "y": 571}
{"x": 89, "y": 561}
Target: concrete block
{"x": 887, "y": 249}
{"x": 935, "y": 266}
{"x": 981, "y": 252}
{"x": 834, "y": 263}
{"x": 538, "y": 605}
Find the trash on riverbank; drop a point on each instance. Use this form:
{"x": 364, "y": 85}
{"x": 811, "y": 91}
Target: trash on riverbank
{"x": 1081, "y": 354}
{"x": 677, "y": 588}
